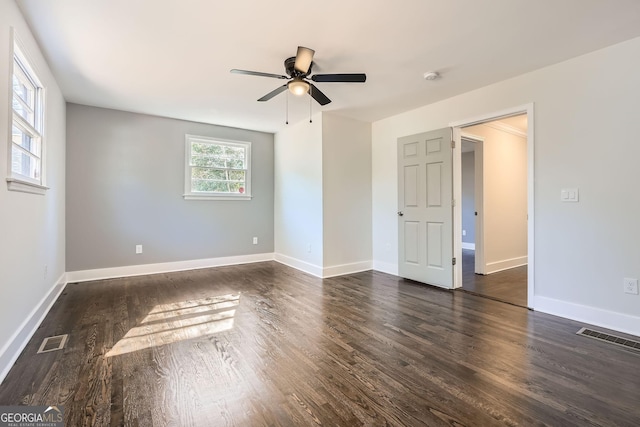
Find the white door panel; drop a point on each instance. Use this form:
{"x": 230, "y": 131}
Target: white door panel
{"x": 425, "y": 221}
{"x": 411, "y": 185}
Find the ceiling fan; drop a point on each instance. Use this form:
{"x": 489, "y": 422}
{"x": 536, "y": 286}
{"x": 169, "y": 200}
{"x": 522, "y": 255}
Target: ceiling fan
{"x": 298, "y": 69}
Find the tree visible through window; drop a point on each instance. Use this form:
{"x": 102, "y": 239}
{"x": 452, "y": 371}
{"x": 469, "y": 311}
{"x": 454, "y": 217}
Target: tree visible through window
{"x": 217, "y": 169}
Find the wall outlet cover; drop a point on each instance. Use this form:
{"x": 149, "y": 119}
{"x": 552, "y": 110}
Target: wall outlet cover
{"x": 630, "y": 286}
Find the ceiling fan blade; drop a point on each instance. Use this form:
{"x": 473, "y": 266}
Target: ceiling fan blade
{"x": 273, "y": 93}
{"x": 340, "y": 78}
{"x": 304, "y": 57}
{"x": 316, "y": 94}
{"x": 259, "y": 74}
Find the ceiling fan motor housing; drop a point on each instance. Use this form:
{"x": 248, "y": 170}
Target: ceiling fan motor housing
{"x": 289, "y": 66}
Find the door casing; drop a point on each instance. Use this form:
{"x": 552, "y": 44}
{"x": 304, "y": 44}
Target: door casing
{"x": 527, "y": 109}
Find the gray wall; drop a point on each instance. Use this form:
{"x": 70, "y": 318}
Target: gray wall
{"x": 125, "y": 181}
{"x": 468, "y": 197}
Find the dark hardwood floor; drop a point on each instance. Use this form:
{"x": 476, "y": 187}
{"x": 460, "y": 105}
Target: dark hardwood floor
{"x": 265, "y": 345}
{"x": 508, "y": 286}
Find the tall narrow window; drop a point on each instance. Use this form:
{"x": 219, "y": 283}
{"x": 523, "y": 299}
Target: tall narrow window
{"x": 217, "y": 169}
{"x": 26, "y": 163}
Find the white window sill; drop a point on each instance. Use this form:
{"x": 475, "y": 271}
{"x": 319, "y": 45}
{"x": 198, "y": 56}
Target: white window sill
{"x": 14, "y": 184}
{"x": 212, "y": 197}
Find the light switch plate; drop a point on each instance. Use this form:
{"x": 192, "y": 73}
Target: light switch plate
{"x": 569, "y": 195}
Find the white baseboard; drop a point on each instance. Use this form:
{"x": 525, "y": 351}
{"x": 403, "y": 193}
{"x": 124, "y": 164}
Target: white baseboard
{"x": 505, "y": 264}
{"x": 585, "y": 314}
{"x": 467, "y": 245}
{"x": 166, "y": 267}
{"x": 385, "y": 267}
{"x": 307, "y": 267}
{"x": 323, "y": 272}
{"x": 18, "y": 341}
{"x": 342, "y": 269}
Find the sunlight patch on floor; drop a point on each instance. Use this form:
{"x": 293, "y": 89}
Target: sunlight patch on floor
{"x": 170, "y": 323}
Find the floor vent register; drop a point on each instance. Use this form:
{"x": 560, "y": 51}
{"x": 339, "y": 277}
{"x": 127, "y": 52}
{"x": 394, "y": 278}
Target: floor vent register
{"x": 611, "y": 339}
{"x": 53, "y": 343}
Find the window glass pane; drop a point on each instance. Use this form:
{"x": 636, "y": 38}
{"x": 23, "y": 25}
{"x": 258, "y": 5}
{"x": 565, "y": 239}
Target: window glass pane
{"x": 236, "y": 176}
{"x": 22, "y": 87}
{"x": 236, "y": 187}
{"x": 24, "y": 111}
{"x": 235, "y": 164}
{"x": 217, "y": 156}
{"x": 205, "y": 173}
{"x": 24, "y": 140}
{"x": 24, "y": 164}
{"x": 201, "y": 185}
{"x": 234, "y": 153}
{"x": 206, "y": 149}
{"x": 216, "y": 180}
{"x": 210, "y": 162}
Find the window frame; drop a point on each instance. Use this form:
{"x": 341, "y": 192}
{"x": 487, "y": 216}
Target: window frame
{"x": 22, "y": 68}
{"x": 189, "y": 194}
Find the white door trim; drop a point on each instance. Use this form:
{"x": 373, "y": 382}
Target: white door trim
{"x": 478, "y": 179}
{"x": 457, "y": 190}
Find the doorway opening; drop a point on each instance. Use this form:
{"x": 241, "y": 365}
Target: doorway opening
{"x": 493, "y": 235}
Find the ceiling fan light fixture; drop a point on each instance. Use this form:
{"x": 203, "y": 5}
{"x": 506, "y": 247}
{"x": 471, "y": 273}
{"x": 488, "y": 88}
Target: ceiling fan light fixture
{"x": 298, "y": 86}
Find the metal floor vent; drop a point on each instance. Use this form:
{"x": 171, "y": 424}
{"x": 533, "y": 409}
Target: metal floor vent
{"x": 53, "y": 343}
{"x": 612, "y": 339}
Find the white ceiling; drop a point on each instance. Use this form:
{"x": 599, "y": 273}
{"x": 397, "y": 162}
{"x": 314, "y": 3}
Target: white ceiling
{"x": 172, "y": 57}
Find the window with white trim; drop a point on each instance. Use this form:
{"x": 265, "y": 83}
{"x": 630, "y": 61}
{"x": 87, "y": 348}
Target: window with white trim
{"x": 217, "y": 169}
{"x": 26, "y": 148}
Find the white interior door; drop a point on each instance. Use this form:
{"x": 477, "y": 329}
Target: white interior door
{"x": 425, "y": 208}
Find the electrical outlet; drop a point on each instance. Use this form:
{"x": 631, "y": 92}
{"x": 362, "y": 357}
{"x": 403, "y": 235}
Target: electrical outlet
{"x": 255, "y": 240}
{"x": 630, "y": 286}
{"x": 138, "y": 249}
{"x": 464, "y": 232}
{"x": 309, "y": 248}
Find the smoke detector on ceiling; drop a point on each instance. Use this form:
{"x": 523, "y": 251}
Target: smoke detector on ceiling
{"x": 431, "y": 75}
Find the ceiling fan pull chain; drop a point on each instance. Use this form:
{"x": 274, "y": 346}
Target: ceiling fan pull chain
{"x": 310, "y": 121}
{"x": 287, "y": 108}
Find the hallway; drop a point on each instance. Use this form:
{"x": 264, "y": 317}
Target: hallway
{"x": 508, "y": 286}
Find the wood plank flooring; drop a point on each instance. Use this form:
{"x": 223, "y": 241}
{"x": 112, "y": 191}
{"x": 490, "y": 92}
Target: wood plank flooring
{"x": 266, "y": 345}
{"x": 508, "y": 286}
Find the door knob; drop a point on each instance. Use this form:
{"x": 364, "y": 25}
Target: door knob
{"x": 400, "y": 213}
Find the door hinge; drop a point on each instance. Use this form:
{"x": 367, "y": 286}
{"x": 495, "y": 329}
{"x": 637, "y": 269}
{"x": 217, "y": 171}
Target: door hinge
{"x": 453, "y": 202}
{"x": 453, "y": 144}
{"x": 453, "y": 261}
